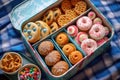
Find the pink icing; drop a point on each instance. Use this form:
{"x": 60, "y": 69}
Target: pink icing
{"x": 89, "y": 46}
{"x": 72, "y": 30}
{"x": 84, "y": 23}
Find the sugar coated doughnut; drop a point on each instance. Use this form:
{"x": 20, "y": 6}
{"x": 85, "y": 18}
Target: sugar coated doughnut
{"x": 45, "y": 47}
{"x": 52, "y": 58}
{"x": 59, "y": 68}
{"x": 91, "y": 15}
{"x": 89, "y": 46}
{"x": 84, "y": 23}
{"x": 97, "y": 32}
{"x": 81, "y": 36}
{"x": 72, "y": 30}
{"x": 97, "y": 21}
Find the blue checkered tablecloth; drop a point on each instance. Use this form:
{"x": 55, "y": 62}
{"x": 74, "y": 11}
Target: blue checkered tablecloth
{"x": 104, "y": 67}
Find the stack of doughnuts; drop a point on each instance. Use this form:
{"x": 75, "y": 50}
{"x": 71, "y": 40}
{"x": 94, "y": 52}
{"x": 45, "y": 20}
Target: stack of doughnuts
{"x": 68, "y": 48}
{"x": 89, "y": 32}
{"x": 52, "y": 58}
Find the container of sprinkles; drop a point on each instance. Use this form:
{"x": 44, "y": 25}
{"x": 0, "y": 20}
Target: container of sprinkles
{"x": 29, "y": 72}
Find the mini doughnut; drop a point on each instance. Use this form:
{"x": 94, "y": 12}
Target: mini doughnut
{"x": 97, "y": 32}
{"x": 52, "y": 58}
{"x": 53, "y": 27}
{"x": 48, "y": 17}
{"x": 84, "y": 23}
{"x": 45, "y": 47}
{"x": 75, "y": 57}
{"x": 68, "y": 48}
{"x": 62, "y": 39}
{"x": 89, "y": 46}
{"x": 60, "y": 68}
{"x": 56, "y": 13}
{"x": 31, "y": 32}
{"x": 45, "y": 29}
{"x": 72, "y": 30}
{"x": 80, "y": 37}
{"x": 91, "y": 15}
{"x": 97, "y": 21}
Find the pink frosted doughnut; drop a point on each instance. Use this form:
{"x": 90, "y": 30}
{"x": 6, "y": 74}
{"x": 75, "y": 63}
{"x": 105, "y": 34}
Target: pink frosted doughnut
{"x": 72, "y": 30}
{"x": 81, "y": 36}
{"x": 101, "y": 41}
{"x": 89, "y": 46}
{"x": 97, "y": 21}
{"x": 97, "y": 32}
{"x": 91, "y": 15}
{"x": 84, "y": 23}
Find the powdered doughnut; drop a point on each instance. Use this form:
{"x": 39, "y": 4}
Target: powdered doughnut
{"x": 84, "y": 23}
{"x": 97, "y": 32}
{"x": 89, "y": 46}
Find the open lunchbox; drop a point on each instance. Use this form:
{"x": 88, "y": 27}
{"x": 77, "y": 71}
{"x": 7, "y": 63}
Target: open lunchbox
{"x": 32, "y": 11}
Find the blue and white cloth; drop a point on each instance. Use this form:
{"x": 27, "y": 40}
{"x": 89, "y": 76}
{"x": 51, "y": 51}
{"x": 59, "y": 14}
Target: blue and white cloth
{"x": 104, "y": 67}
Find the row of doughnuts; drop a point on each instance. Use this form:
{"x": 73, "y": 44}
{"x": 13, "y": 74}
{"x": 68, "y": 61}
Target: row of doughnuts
{"x": 89, "y": 32}
{"x": 68, "y": 48}
{"x": 52, "y": 58}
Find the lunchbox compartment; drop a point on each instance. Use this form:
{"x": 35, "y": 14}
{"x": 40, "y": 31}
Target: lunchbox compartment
{"x": 38, "y": 17}
{"x": 63, "y": 58}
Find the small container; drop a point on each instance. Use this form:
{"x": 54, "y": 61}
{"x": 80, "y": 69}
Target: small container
{"x": 12, "y": 54}
{"x": 32, "y": 74}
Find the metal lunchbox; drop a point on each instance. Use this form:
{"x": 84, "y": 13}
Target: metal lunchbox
{"x": 32, "y": 10}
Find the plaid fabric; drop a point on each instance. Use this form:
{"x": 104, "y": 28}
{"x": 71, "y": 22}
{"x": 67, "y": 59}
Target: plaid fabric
{"x": 9, "y": 37}
{"x": 104, "y": 67}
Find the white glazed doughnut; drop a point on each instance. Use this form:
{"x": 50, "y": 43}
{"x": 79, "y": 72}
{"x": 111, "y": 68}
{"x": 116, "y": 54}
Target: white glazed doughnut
{"x": 84, "y": 23}
{"x": 97, "y": 31}
{"x": 89, "y": 46}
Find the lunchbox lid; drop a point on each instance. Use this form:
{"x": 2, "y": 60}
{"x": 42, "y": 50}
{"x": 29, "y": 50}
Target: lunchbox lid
{"x": 26, "y": 10}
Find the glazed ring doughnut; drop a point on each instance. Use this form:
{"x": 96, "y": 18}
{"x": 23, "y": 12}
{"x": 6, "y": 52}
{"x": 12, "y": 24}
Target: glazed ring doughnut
{"x": 62, "y": 39}
{"x": 89, "y": 46}
{"x": 68, "y": 48}
{"x": 45, "y": 29}
{"x": 75, "y": 57}
{"x": 97, "y": 32}
{"x": 48, "y": 17}
{"x": 53, "y": 27}
{"x": 31, "y": 32}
